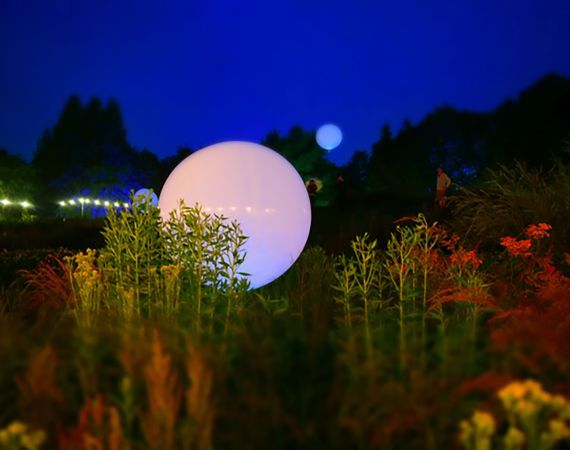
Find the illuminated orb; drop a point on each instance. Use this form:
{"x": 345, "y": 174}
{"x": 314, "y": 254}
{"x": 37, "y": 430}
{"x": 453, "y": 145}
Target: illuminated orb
{"x": 255, "y": 186}
{"x": 144, "y": 193}
{"x": 329, "y": 136}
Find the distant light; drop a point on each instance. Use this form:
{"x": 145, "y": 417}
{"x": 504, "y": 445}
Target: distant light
{"x": 25, "y": 204}
{"x": 116, "y": 204}
{"x": 329, "y": 136}
{"x": 146, "y": 194}
{"x": 106, "y": 203}
{"x": 5, "y": 201}
{"x": 62, "y": 203}
{"x": 126, "y": 205}
{"x": 88, "y": 201}
{"x": 81, "y": 200}
{"x": 72, "y": 202}
{"x": 97, "y": 202}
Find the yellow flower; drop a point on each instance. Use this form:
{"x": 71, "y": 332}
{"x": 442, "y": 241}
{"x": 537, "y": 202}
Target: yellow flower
{"x": 536, "y": 392}
{"x": 484, "y": 423}
{"x": 558, "y": 402}
{"x": 16, "y": 428}
{"x": 526, "y": 408}
{"x": 33, "y": 440}
{"x": 512, "y": 393}
{"x": 558, "y": 430}
{"x": 514, "y": 440}
{"x": 465, "y": 433}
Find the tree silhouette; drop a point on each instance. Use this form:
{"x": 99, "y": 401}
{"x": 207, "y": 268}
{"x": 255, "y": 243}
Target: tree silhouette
{"x": 300, "y": 148}
{"x": 17, "y": 182}
{"x": 87, "y": 151}
{"x": 533, "y": 127}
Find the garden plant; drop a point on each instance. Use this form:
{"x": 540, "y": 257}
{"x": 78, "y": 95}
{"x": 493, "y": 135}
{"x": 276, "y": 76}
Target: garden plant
{"x": 156, "y": 341}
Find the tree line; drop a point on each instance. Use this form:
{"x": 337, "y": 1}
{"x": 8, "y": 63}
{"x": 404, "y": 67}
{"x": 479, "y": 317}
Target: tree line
{"x": 87, "y": 151}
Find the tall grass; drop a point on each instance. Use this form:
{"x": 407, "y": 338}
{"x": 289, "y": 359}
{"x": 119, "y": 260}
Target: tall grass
{"x": 508, "y": 199}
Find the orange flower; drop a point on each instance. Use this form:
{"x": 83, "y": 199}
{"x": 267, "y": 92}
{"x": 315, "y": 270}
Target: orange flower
{"x": 538, "y": 231}
{"x": 463, "y": 257}
{"x": 516, "y": 248}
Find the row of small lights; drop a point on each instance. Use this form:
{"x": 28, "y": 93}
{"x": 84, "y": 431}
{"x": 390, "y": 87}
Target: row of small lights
{"x": 88, "y": 201}
{"x": 233, "y": 208}
{"x": 71, "y": 202}
{"x": 23, "y": 204}
{"x": 106, "y": 203}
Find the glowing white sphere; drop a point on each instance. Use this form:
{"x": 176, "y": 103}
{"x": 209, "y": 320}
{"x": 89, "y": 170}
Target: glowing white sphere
{"x": 143, "y": 194}
{"x": 255, "y": 186}
{"x": 329, "y": 136}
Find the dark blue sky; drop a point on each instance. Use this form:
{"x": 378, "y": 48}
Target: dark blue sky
{"x": 197, "y": 72}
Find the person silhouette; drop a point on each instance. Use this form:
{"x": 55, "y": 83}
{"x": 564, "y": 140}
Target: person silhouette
{"x": 312, "y": 190}
{"x": 442, "y": 184}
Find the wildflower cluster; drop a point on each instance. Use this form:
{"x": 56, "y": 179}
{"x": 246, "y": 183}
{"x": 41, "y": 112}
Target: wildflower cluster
{"x": 522, "y": 247}
{"x": 539, "y": 231}
{"x": 521, "y": 399}
{"x": 465, "y": 258}
{"x": 18, "y": 436}
{"x": 477, "y": 432}
{"x": 530, "y": 409}
{"x": 537, "y": 420}
{"x": 86, "y": 282}
{"x": 517, "y": 247}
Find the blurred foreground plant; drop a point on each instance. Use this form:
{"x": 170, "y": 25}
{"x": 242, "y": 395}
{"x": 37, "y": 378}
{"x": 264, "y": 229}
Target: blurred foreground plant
{"x": 17, "y": 436}
{"x": 537, "y": 420}
{"x": 534, "y": 324}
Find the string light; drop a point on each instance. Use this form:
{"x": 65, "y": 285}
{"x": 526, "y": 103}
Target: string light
{"x": 82, "y": 201}
{"x": 22, "y": 203}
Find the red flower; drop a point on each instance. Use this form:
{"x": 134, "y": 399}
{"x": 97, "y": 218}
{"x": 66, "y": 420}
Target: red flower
{"x": 539, "y": 231}
{"x": 516, "y": 248}
{"x": 463, "y": 257}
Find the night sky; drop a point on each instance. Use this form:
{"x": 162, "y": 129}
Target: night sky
{"x": 197, "y": 72}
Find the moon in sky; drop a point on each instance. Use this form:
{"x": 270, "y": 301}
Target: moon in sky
{"x": 329, "y": 136}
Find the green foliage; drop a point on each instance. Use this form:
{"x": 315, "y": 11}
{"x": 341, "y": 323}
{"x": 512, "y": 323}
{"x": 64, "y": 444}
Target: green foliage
{"x": 209, "y": 249}
{"x": 368, "y": 350}
{"x": 134, "y": 250}
{"x": 189, "y": 264}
